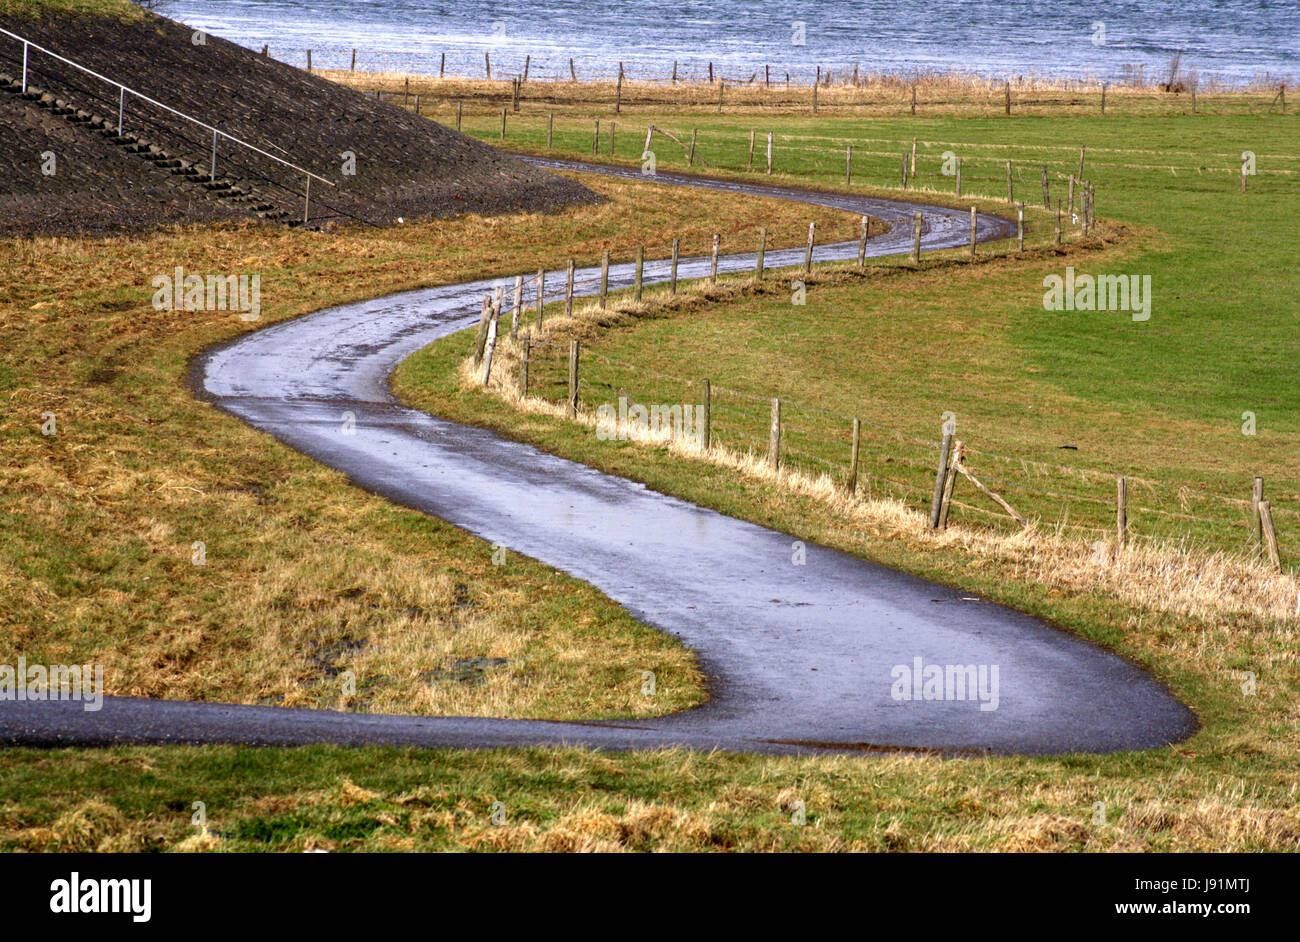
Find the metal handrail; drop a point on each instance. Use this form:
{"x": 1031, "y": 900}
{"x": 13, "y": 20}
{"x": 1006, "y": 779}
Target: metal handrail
{"x": 217, "y": 133}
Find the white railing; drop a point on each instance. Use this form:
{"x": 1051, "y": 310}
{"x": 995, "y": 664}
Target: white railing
{"x": 123, "y": 91}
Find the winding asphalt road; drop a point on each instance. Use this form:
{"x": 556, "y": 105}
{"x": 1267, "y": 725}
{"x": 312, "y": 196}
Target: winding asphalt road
{"x": 800, "y": 657}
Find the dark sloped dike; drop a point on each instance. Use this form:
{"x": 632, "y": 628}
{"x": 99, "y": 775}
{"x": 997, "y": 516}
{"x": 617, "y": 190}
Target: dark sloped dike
{"x": 405, "y": 166}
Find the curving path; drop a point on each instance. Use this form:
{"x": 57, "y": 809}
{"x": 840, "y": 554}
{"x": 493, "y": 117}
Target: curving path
{"x": 800, "y": 658}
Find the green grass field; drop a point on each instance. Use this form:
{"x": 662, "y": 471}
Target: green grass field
{"x": 1160, "y": 400}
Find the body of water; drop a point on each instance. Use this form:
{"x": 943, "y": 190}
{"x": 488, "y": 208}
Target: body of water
{"x": 1231, "y": 41}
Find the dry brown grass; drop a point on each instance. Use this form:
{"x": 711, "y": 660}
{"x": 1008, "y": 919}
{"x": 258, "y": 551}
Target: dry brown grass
{"x": 306, "y": 577}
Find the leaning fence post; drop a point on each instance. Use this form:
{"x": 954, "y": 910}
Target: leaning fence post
{"x": 1121, "y": 510}
{"x": 706, "y": 417}
{"x": 481, "y": 338}
{"x": 950, "y": 483}
{"x": 672, "y": 279}
{"x": 690, "y": 158}
{"x": 573, "y": 379}
{"x": 604, "y": 278}
{"x": 774, "y": 437}
{"x": 945, "y": 449}
{"x": 713, "y": 262}
{"x": 568, "y": 291}
{"x": 807, "y": 257}
{"x": 640, "y": 268}
{"x": 762, "y": 248}
{"x": 853, "y": 456}
{"x": 1270, "y": 534}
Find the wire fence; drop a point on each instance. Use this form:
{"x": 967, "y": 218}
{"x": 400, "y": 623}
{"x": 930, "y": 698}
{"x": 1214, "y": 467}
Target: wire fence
{"x": 902, "y": 463}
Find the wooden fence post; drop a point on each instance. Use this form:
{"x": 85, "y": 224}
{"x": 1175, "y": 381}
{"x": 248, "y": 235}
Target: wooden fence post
{"x": 604, "y": 277}
{"x": 905, "y": 170}
{"x": 912, "y": 169}
{"x": 762, "y": 248}
{"x": 1008, "y": 102}
{"x": 573, "y": 379}
{"x": 524, "y": 358}
{"x": 528, "y": 61}
{"x": 769, "y": 153}
{"x": 972, "y": 232}
{"x": 595, "y": 139}
{"x": 1058, "y": 220}
{"x": 1103, "y": 97}
{"x": 853, "y": 456}
{"x": 640, "y": 268}
{"x": 940, "y": 479}
{"x": 1011, "y": 197}
{"x": 1047, "y": 195}
{"x": 706, "y": 417}
{"x": 503, "y": 124}
{"x": 573, "y": 76}
{"x": 807, "y": 257}
{"x": 914, "y": 98}
{"x": 750, "y": 165}
{"x": 613, "y": 126}
{"x": 515, "y": 85}
{"x": 950, "y": 483}
{"x": 1270, "y": 534}
{"x": 1020, "y": 228}
{"x": 958, "y": 176}
{"x": 1121, "y": 510}
{"x": 354, "y": 61}
{"x": 442, "y": 66}
{"x": 618, "y": 92}
{"x": 721, "y": 85}
{"x": 916, "y": 240}
{"x": 519, "y": 301}
{"x": 713, "y": 261}
{"x": 309, "y": 61}
{"x": 848, "y": 165}
{"x": 568, "y": 291}
{"x": 1069, "y": 199}
{"x": 487, "y": 65}
{"x": 1083, "y": 149}
{"x": 1257, "y": 497}
{"x": 862, "y": 241}
{"x": 672, "y": 278}
{"x": 459, "y": 106}
{"x": 690, "y": 157}
{"x": 493, "y": 327}
{"x": 774, "y": 437}
{"x": 481, "y": 338}
{"x": 541, "y": 289}
{"x": 550, "y": 129}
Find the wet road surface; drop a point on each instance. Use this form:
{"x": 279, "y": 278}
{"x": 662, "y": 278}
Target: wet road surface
{"x": 800, "y": 657}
